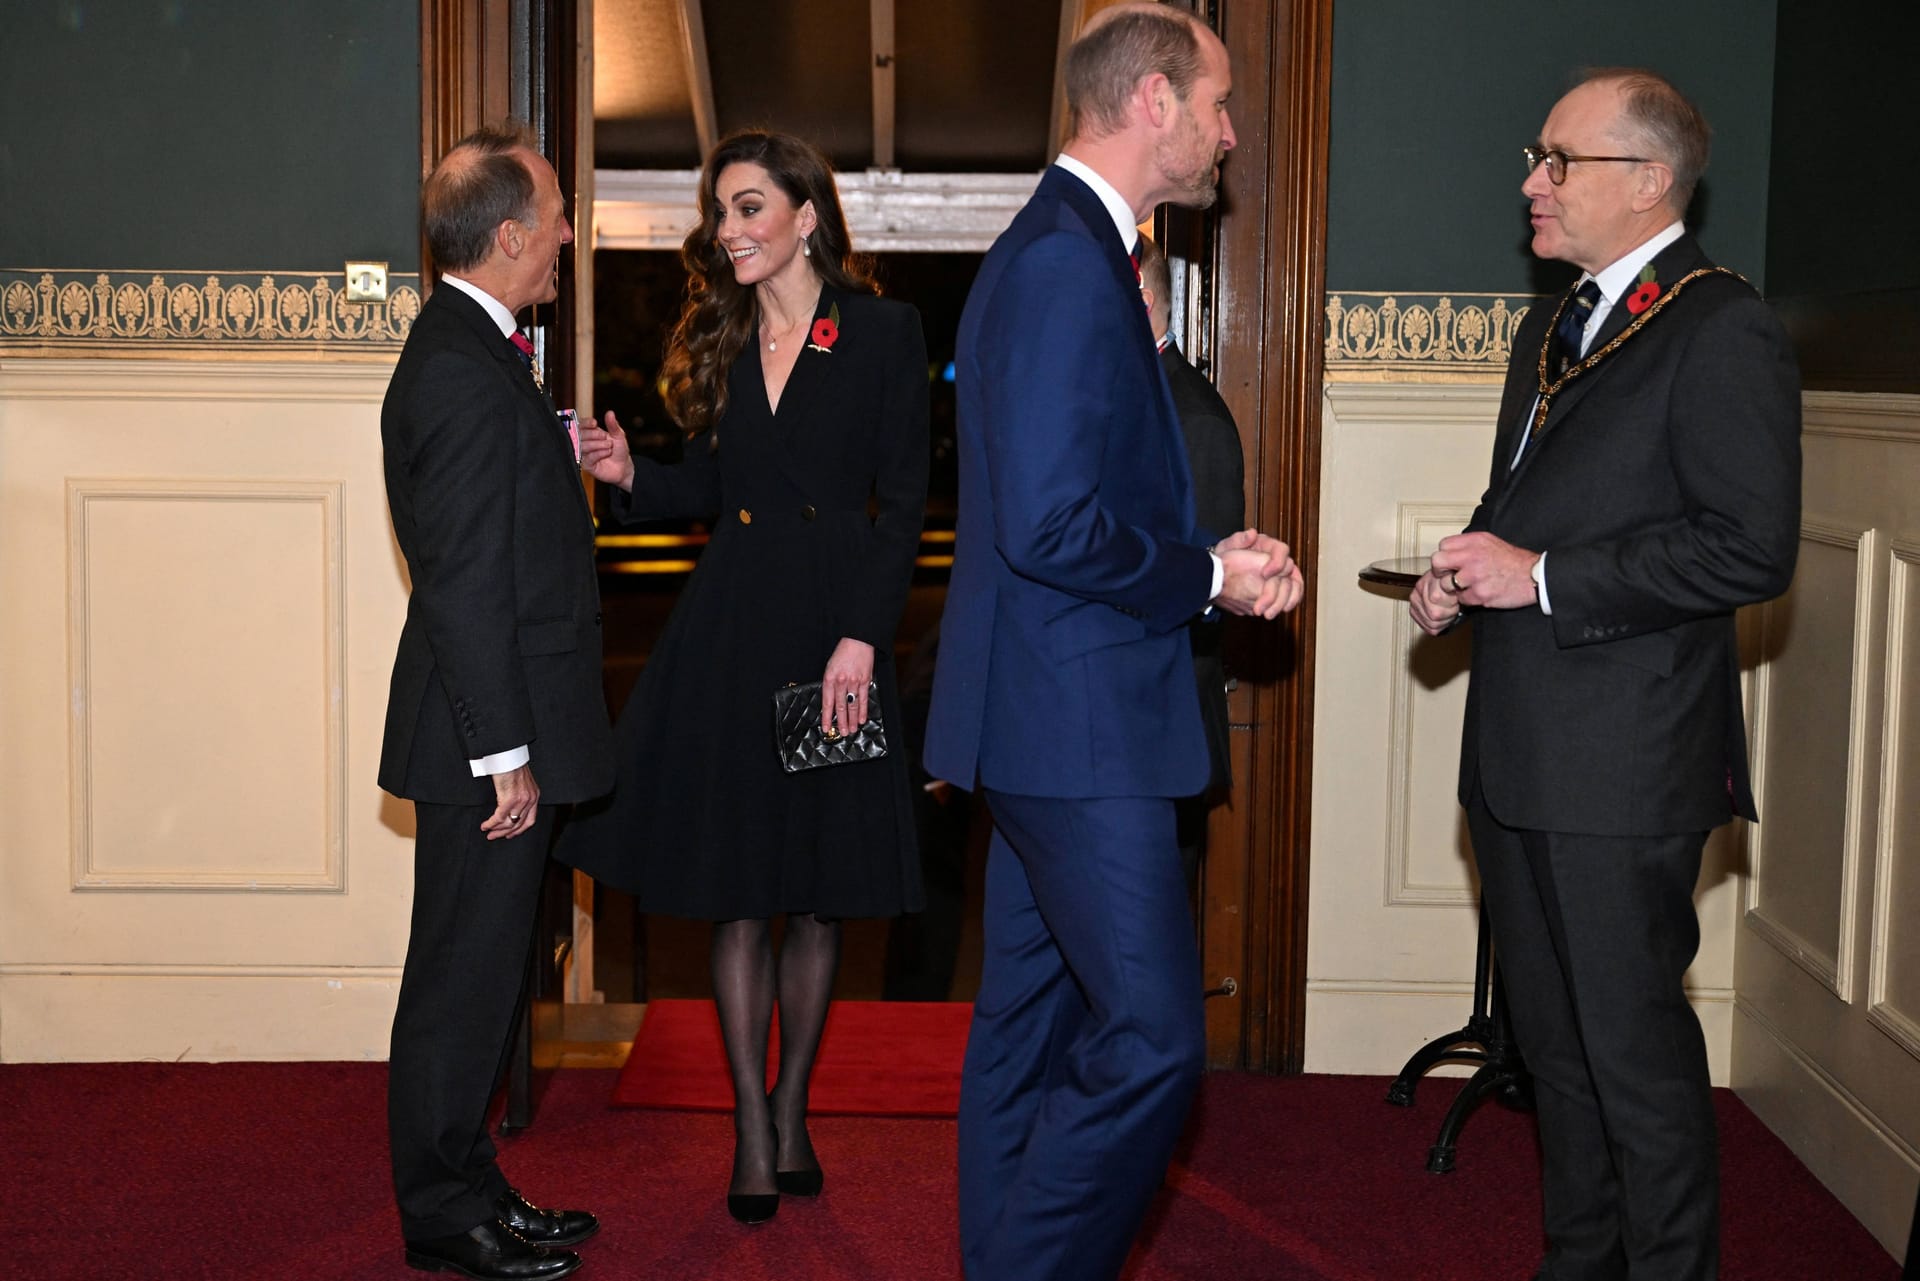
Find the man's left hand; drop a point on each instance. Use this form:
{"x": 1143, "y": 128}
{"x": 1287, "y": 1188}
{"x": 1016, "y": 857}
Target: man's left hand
{"x": 1480, "y": 569}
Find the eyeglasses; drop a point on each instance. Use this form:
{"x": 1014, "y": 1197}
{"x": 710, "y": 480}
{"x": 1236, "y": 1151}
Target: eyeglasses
{"x": 1558, "y": 160}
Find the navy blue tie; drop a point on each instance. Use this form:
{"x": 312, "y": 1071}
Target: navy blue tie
{"x": 1569, "y": 334}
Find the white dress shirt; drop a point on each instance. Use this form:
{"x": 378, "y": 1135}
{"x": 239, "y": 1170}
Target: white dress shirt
{"x": 1616, "y": 282}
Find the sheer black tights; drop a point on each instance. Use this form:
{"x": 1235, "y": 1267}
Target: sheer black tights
{"x": 745, "y": 985}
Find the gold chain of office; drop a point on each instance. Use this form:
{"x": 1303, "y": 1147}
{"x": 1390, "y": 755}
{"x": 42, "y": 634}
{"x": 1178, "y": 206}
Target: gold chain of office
{"x": 1549, "y": 389}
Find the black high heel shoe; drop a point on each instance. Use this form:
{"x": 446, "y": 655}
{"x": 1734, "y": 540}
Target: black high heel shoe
{"x": 795, "y": 1182}
{"x": 799, "y": 1182}
{"x": 756, "y": 1207}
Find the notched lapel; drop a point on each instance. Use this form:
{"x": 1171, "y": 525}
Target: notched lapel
{"x": 810, "y": 369}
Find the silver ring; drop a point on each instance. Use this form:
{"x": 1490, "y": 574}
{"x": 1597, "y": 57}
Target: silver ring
{"x": 514, "y": 817}
{"x": 1454, "y": 578}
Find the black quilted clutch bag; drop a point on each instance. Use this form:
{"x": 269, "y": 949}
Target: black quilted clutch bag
{"x": 797, "y": 736}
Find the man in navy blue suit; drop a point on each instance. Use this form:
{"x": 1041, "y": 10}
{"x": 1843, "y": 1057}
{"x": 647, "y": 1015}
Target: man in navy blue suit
{"x": 1065, "y": 689}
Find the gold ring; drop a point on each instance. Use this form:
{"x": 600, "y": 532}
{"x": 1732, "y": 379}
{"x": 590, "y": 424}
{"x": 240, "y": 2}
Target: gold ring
{"x": 1454, "y": 577}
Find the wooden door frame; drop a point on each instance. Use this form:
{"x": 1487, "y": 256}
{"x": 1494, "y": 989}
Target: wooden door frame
{"x": 1264, "y": 299}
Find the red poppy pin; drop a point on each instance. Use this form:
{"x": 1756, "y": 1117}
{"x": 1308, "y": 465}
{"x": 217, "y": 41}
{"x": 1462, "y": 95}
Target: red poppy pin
{"x": 1642, "y": 298}
{"x": 826, "y": 330}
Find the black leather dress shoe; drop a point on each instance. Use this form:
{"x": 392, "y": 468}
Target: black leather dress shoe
{"x": 544, "y": 1227}
{"x": 491, "y": 1251}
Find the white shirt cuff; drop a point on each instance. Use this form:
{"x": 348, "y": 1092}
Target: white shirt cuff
{"x": 1539, "y": 573}
{"x": 1219, "y": 575}
{"x": 501, "y": 762}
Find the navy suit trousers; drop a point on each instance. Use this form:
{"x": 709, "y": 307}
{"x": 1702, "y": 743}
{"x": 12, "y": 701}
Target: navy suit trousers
{"x": 1087, "y": 1041}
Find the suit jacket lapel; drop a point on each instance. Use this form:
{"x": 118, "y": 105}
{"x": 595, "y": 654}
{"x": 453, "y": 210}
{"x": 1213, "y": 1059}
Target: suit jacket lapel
{"x": 809, "y": 367}
{"x": 491, "y": 340}
{"x": 1081, "y": 199}
{"x": 1670, "y": 264}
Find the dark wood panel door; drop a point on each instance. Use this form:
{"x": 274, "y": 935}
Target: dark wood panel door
{"x": 1263, "y": 279}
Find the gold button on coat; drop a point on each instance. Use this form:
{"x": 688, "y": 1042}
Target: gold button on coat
{"x": 746, "y": 517}
{"x": 806, "y": 513}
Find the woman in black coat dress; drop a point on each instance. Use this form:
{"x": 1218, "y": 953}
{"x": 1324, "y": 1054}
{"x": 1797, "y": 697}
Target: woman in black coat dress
{"x": 805, "y": 397}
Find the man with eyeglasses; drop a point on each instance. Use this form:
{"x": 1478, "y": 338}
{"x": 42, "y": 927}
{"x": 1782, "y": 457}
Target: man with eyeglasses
{"x": 1645, "y": 484}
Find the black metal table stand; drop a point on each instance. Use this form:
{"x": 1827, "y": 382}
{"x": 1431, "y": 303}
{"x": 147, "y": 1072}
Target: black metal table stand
{"x": 1487, "y": 1039}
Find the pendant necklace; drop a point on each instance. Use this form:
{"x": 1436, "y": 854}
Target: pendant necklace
{"x": 773, "y": 342}
{"x": 774, "y": 335}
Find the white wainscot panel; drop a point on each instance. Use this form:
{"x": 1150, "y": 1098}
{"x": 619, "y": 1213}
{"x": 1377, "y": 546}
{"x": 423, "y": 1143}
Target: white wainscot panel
{"x": 206, "y": 676}
{"x": 1894, "y": 975}
{"x": 1810, "y": 712}
{"x": 1427, "y": 845}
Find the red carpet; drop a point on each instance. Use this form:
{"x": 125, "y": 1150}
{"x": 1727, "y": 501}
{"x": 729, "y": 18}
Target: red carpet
{"x": 269, "y": 1170}
{"x": 877, "y": 1058}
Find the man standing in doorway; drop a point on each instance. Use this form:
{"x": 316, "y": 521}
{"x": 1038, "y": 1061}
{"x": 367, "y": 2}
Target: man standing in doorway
{"x": 1065, "y": 690}
{"x": 1645, "y": 484}
{"x": 496, "y": 685}
{"x": 1219, "y": 502}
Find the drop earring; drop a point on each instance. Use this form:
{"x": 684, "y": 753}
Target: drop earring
{"x": 806, "y": 246}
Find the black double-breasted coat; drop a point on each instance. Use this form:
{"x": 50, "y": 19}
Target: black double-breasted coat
{"x": 817, "y": 511}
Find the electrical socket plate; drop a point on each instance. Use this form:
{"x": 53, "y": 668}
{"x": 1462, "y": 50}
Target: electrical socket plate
{"x": 366, "y": 282}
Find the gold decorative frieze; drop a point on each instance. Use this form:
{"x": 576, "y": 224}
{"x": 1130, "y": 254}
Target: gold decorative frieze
{"x": 70, "y": 313}
{"x": 1451, "y": 337}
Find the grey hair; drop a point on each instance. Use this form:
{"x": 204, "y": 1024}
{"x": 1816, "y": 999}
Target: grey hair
{"x": 1155, "y": 275}
{"x": 1663, "y": 122}
{"x": 481, "y": 182}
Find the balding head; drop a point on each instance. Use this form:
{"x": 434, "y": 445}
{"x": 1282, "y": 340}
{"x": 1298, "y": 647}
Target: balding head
{"x": 483, "y": 180}
{"x": 1156, "y": 282}
{"x": 1658, "y": 121}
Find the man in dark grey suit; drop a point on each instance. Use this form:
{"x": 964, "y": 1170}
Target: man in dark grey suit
{"x": 495, "y": 716}
{"x": 1645, "y": 484}
{"x": 1219, "y": 502}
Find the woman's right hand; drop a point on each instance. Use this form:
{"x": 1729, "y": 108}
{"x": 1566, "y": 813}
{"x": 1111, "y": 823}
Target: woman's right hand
{"x": 604, "y": 454}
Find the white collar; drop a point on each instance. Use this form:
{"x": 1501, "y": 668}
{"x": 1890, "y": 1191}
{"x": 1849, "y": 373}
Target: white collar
{"x": 494, "y": 307}
{"x": 1117, "y": 208}
{"x": 1615, "y": 280}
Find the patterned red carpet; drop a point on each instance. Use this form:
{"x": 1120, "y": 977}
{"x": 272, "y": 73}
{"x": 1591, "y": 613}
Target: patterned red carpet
{"x": 877, "y": 1058}
{"x": 279, "y": 1170}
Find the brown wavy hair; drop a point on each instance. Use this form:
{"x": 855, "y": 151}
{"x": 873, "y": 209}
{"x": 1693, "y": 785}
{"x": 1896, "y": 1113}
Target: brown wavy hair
{"x": 719, "y": 315}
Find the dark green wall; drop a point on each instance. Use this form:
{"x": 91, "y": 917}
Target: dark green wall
{"x": 1843, "y": 253}
{"x": 1844, "y": 213}
{"x": 1433, "y": 99}
{"x": 231, "y": 135}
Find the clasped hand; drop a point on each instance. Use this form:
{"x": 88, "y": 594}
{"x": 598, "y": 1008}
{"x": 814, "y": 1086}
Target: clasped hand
{"x": 1472, "y": 569}
{"x": 1261, "y": 578}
